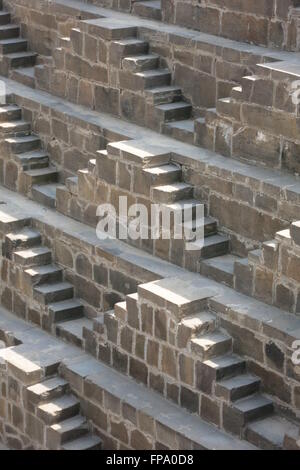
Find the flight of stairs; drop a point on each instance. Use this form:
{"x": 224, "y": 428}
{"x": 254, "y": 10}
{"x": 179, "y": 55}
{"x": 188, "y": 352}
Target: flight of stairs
{"x": 145, "y": 71}
{"x": 59, "y": 410}
{"x": 150, "y": 9}
{"x": 222, "y": 376}
{"x": 20, "y": 148}
{"x": 163, "y": 185}
{"x": 17, "y": 61}
{"x": 43, "y": 281}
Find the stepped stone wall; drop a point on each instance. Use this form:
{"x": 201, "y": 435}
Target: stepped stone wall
{"x": 272, "y": 273}
{"x": 259, "y": 121}
{"x": 268, "y": 23}
{"x": 96, "y": 277}
{"x": 262, "y": 206}
{"x": 213, "y": 360}
{"x": 150, "y": 338}
{"x": 215, "y": 68}
{"x": 43, "y": 23}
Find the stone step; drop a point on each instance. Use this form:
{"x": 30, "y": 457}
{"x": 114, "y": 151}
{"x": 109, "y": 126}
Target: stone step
{"x": 10, "y": 222}
{"x": 88, "y": 442}
{"x": 65, "y": 310}
{"x": 181, "y": 296}
{"x": 228, "y": 108}
{"x": 167, "y": 194}
{"x": 148, "y": 9}
{"x": 9, "y": 31}
{"x": 15, "y": 127}
{"x": 21, "y": 59}
{"x": 33, "y": 256}
{"x": 9, "y": 46}
{"x": 47, "y": 390}
{"x": 138, "y": 63}
{"x": 186, "y": 210}
{"x": 35, "y": 159}
{"x": 216, "y": 245}
{"x": 174, "y": 111}
{"x": 23, "y": 143}
{"x": 247, "y": 85}
{"x": 4, "y": 17}
{"x": 72, "y": 331}
{"x": 120, "y": 310}
{"x": 42, "y": 175}
{"x": 44, "y": 274}
{"x": 199, "y": 323}
{"x": 24, "y": 75}
{"x": 58, "y": 409}
{"x": 27, "y": 371}
{"x": 49, "y": 293}
{"x": 269, "y": 433}
{"x": 10, "y": 112}
{"x": 210, "y": 115}
{"x": 163, "y": 174}
{"x": 129, "y": 46}
{"x": 141, "y": 152}
{"x": 25, "y": 238}
{"x": 153, "y": 78}
{"x": 163, "y": 94}
{"x": 45, "y": 194}
{"x": 220, "y": 269}
{"x": 72, "y": 184}
{"x": 237, "y": 387}
{"x": 126, "y": 47}
{"x": 65, "y": 431}
{"x": 211, "y": 345}
{"x": 217, "y": 369}
{"x": 195, "y": 227}
{"x": 181, "y": 130}
{"x": 250, "y": 409}
{"x": 113, "y": 29}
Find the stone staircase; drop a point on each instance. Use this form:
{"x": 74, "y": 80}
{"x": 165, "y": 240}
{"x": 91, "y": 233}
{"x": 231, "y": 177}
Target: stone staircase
{"x": 198, "y": 354}
{"x": 155, "y": 180}
{"x": 16, "y": 61}
{"x": 43, "y": 281}
{"x": 59, "y": 410}
{"x": 27, "y": 167}
{"x": 145, "y": 73}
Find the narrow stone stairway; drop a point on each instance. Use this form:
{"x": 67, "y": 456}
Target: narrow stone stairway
{"x": 150, "y": 9}
{"x": 247, "y": 412}
{"x": 27, "y": 167}
{"x": 43, "y": 280}
{"x": 17, "y": 62}
{"x": 59, "y": 409}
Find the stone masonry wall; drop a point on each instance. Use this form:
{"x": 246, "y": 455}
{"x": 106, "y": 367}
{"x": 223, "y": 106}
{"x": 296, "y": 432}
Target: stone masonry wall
{"x": 268, "y": 23}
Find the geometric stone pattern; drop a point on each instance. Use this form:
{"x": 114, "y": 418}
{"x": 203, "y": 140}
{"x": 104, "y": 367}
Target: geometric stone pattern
{"x": 179, "y": 361}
